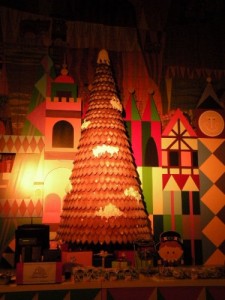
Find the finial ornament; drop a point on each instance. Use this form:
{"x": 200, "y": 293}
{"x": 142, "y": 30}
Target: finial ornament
{"x": 103, "y": 57}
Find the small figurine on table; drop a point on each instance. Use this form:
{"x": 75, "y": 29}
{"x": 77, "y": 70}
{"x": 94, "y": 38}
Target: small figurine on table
{"x": 170, "y": 250}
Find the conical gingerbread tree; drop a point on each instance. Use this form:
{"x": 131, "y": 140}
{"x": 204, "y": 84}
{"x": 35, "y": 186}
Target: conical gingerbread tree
{"x": 105, "y": 204}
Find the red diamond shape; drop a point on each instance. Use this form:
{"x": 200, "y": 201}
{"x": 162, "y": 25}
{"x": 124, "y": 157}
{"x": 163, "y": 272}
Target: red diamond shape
{"x": 41, "y": 144}
{"x": 14, "y": 208}
{"x": 33, "y": 144}
{"x": 17, "y": 144}
{"x": 23, "y": 208}
{"x": 30, "y": 208}
{"x": 25, "y": 144}
{"x": 6, "y": 208}
{"x": 39, "y": 208}
{"x": 10, "y": 143}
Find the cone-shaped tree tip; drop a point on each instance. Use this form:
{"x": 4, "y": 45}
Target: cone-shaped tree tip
{"x": 103, "y": 57}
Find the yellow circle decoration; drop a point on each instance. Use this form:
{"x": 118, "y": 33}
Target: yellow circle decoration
{"x": 211, "y": 123}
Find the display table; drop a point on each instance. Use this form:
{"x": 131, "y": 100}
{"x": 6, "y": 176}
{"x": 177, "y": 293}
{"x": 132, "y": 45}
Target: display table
{"x": 145, "y": 288}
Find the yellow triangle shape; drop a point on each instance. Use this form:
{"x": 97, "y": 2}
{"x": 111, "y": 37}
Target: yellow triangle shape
{"x": 186, "y": 134}
{"x": 175, "y": 146}
{"x": 190, "y": 185}
{"x": 175, "y": 128}
{"x": 166, "y": 142}
{"x": 184, "y": 146}
{"x": 182, "y": 129}
{"x": 171, "y": 133}
{"x": 212, "y": 144}
{"x": 172, "y": 185}
{"x": 192, "y": 143}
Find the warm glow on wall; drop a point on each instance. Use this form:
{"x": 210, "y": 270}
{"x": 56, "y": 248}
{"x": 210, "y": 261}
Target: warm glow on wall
{"x": 25, "y": 181}
{"x": 26, "y": 184}
{"x": 57, "y": 181}
{"x": 56, "y": 185}
{"x": 38, "y": 190}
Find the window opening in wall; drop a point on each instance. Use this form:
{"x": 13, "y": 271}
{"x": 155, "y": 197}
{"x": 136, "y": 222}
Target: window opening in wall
{"x": 63, "y": 135}
{"x": 174, "y": 158}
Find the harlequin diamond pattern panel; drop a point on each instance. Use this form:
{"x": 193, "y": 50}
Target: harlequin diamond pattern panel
{"x": 212, "y": 177}
{"x": 21, "y": 144}
{"x": 20, "y": 208}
